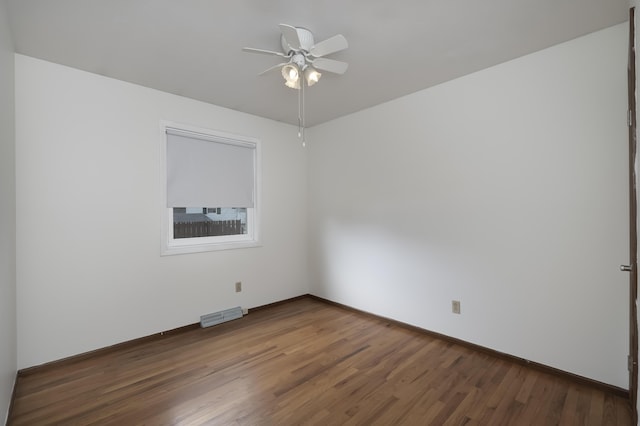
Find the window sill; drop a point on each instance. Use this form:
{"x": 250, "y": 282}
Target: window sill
{"x": 201, "y": 248}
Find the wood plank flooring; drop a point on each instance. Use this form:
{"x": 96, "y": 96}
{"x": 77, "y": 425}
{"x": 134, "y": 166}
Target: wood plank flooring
{"x": 305, "y": 362}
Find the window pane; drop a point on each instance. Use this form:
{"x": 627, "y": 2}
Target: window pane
{"x": 194, "y": 222}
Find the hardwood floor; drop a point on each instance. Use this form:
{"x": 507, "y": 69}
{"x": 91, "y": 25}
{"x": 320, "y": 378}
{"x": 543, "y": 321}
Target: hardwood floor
{"x": 305, "y": 362}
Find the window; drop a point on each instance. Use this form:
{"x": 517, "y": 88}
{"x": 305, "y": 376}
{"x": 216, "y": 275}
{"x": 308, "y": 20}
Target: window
{"x": 196, "y": 222}
{"x": 210, "y": 190}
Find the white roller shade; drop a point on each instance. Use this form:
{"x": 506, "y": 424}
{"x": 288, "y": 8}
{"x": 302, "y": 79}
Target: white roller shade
{"x": 209, "y": 171}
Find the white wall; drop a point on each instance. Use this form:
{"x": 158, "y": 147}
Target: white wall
{"x": 8, "y": 342}
{"x": 505, "y": 189}
{"x": 89, "y": 268}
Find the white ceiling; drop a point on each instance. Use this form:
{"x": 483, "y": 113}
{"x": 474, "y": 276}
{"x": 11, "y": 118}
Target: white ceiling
{"x": 193, "y": 47}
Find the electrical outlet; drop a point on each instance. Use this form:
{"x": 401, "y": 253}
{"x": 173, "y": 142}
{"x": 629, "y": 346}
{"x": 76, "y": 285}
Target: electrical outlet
{"x": 455, "y": 306}
{"x": 238, "y": 286}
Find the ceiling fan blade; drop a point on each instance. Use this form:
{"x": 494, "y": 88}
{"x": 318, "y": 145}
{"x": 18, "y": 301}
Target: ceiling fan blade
{"x": 273, "y": 68}
{"x": 290, "y": 35}
{"x": 331, "y": 65}
{"x": 262, "y": 51}
{"x": 329, "y": 46}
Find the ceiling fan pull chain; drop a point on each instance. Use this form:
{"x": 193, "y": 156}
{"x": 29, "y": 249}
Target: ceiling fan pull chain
{"x": 304, "y": 143}
{"x": 299, "y": 114}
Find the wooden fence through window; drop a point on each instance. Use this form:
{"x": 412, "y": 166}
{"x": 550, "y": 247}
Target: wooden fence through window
{"x": 207, "y": 229}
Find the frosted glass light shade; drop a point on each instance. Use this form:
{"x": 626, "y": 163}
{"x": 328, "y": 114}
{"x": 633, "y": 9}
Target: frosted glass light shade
{"x": 312, "y": 76}
{"x": 291, "y": 76}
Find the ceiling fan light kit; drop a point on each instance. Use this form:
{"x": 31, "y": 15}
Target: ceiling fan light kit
{"x": 304, "y": 58}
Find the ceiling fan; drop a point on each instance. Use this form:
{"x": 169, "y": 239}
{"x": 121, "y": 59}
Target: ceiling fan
{"x": 304, "y": 57}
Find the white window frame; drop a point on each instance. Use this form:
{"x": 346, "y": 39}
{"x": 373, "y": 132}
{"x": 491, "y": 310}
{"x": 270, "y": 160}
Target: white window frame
{"x": 170, "y": 245}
